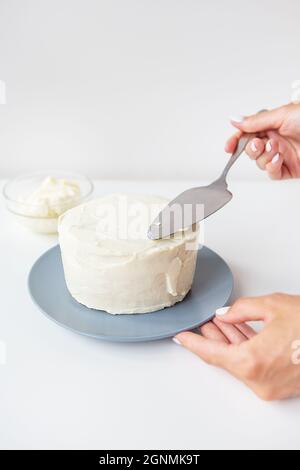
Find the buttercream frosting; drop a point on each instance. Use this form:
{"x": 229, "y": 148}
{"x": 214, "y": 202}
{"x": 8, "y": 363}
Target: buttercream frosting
{"x": 110, "y": 264}
{"x": 53, "y": 197}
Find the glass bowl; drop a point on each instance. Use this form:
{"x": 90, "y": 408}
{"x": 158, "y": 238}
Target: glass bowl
{"x": 17, "y": 190}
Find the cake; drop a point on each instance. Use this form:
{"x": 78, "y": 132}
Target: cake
{"x": 111, "y": 265}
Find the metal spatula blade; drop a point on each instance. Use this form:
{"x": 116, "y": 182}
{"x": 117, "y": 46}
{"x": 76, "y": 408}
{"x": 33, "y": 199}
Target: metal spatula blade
{"x": 190, "y": 207}
{"x": 195, "y": 204}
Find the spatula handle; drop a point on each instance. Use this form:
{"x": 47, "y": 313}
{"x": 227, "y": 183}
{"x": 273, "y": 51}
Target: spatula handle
{"x": 242, "y": 143}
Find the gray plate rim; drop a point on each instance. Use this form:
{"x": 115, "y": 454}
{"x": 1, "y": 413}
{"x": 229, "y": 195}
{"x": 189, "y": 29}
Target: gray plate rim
{"x": 127, "y": 339}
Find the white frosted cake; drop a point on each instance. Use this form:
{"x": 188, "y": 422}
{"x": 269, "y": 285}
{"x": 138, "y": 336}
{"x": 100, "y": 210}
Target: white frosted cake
{"x": 110, "y": 264}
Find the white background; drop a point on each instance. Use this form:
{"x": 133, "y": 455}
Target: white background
{"x": 139, "y": 88}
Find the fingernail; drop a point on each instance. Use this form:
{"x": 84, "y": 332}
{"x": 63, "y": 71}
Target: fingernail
{"x": 222, "y": 311}
{"x": 237, "y": 118}
{"x": 268, "y": 146}
{"x": 275, "y": 158}
{"x": 253, "y": 146}
{"x": 176, "y": 340}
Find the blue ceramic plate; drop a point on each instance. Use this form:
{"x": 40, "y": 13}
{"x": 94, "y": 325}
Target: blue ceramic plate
{"x": 212, "y": 288}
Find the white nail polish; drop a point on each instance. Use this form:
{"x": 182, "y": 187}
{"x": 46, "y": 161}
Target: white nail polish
{"x": 237, "y": 118}
{"x": 222, "y": 311}
{"x": 275, "y": 158}
{"x": 176, "y": 341}
{"x": 253, "y": 147}
{"x": 268, "y": 146}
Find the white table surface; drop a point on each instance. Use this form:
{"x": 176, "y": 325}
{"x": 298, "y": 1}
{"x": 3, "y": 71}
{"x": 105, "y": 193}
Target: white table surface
{"x": 62, "y": 390}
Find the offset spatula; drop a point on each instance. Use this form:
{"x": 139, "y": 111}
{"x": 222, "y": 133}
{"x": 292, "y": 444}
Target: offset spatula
{"x": 195, "y": 204}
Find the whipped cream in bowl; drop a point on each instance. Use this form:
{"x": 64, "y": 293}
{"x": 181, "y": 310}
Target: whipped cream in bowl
{"x": 38, "y": 199}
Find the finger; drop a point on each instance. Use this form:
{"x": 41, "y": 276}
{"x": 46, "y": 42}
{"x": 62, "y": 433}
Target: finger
{"x": 247, "y": 309}
{"x": 271, "y": 149}
{"x": 213, "y": 352}
{"x": 255, "y": 148}
{"x": 286, "y": 151}
{"x": 274, "y": 168}
{"x": 246, "y": 330}
{"x": 261, "y": 121}
{"x": 233, "y": 334}
{"x": 211, "y": 331}
{"x": 232, "y": 142}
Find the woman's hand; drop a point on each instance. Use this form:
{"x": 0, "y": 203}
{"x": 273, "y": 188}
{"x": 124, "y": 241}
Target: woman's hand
{"x": 277, "y": 148}
{"x": 268, "y": 362}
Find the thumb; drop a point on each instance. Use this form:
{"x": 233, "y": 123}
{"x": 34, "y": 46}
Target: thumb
{"x": 247, "y": 309}
{"x": 260, "y": 122}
